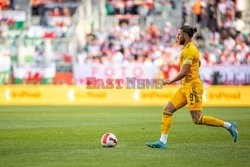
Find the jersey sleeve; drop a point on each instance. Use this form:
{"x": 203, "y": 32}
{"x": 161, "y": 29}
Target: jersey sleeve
{"x": 188, "y": 57}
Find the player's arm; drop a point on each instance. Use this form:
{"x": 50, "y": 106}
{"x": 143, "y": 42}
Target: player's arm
{"x": 181, "y": 74}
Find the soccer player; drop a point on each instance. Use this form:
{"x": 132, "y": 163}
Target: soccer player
{"x": 190, "y": 92}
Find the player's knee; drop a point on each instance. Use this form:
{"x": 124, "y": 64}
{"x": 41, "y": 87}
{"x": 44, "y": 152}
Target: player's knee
{"x": 168, "y": 109}
{"x": 197, "y": 120}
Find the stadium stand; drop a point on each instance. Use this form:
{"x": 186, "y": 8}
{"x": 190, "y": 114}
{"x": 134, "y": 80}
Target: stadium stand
{"x": 142, "y": 32}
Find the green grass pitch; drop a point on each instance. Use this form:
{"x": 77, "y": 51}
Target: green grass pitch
{"x": 70, "y": 136}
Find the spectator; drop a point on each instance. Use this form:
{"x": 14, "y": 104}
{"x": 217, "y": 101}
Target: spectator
{"x": 152, "y": 30}
{"x": 197, "y": 10}
{"x": 238, "y": 24}
{"x": 4, "y": 4}
{"x": 211, "y": 12}
{"x": 66, "y": 12}
{"x": 55, "y": 12}
{"x": 184, "y": 12}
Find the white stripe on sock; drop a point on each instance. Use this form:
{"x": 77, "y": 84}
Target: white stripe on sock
{"x": 164, "y": 138}
{"x": 227, "y": 125}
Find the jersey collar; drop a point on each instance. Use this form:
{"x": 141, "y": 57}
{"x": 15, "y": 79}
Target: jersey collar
{"x": 188, "y": 44}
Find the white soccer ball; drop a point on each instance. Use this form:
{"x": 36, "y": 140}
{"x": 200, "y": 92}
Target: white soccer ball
{"x": 109, "y": 140}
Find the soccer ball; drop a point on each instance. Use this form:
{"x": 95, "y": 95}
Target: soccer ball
{"x": 109, "y": 140}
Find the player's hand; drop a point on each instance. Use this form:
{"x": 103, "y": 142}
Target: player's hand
{"x": 167, "y": 81}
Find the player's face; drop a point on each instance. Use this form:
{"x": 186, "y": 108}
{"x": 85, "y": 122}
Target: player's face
{"x": 181, "y": 37}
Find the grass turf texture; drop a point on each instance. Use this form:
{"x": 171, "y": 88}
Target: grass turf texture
{"x": 70, "y": 136}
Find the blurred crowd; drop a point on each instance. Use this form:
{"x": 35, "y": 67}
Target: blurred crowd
{"x": 135, "y": 7}
{"x": 220, "y": 38}
{"x": 128, "y": 43}
{"x": 223, "y": 19}
{"x": 125, "y": 44}
{"x": 217, "y": 15}
{"x": 58, "y": 10}
{"x": 36, "y": 2}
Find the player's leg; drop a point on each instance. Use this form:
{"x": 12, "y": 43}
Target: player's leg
{"x": 194, "y": 98}
{"x": 166, "y": 121}
{"x": 177, "y": 101}
{"x": 199, "y": 119}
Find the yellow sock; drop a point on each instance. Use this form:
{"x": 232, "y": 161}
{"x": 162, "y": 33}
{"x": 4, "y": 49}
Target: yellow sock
{"x": 166, "y": 122}
{"x": 208, "y": 120}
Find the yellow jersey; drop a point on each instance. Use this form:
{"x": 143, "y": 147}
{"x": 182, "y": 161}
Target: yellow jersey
{"x": 190, "y": 55}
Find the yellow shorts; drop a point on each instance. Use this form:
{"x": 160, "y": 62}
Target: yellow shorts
{"x": 191, "y": 95}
